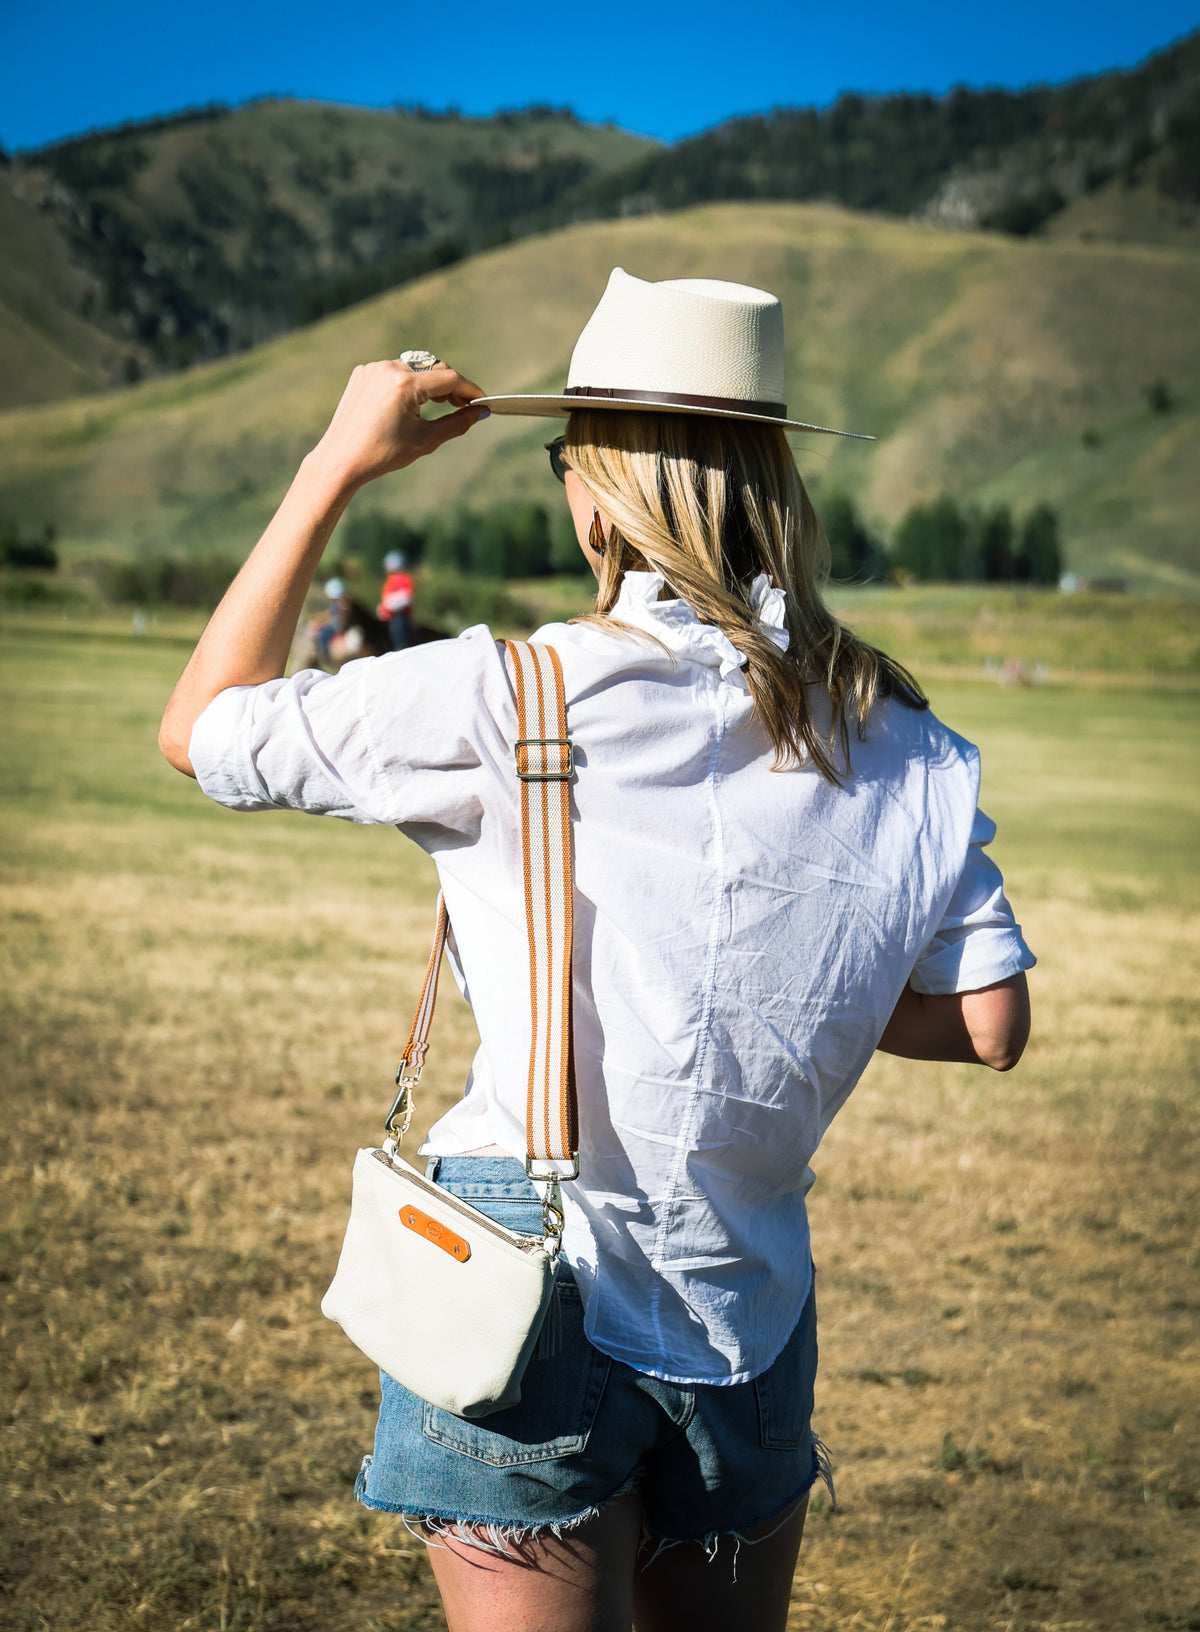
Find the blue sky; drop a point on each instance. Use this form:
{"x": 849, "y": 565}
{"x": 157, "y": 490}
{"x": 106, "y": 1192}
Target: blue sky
{"x": 664, "y": 69}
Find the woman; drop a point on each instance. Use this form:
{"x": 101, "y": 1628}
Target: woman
{"x": 778, "y": 869}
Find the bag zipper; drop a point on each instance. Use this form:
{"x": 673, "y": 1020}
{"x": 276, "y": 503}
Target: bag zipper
{"x": 523, "y": 1243}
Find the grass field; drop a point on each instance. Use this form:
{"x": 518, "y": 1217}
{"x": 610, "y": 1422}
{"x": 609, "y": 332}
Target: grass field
{"x": 945, "y": 631}
{"x": 201, "y": 1013}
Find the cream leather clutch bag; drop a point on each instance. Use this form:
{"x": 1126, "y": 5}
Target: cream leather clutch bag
{"x": 439, "y": 1296}
{"x": 435, "y": 1294}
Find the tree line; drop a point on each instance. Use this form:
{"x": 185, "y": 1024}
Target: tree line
{"x": 517, "y": 540}
{"x": 942, "y": 540}
{"x": 32, "y": 551}
{"x": 945, "y": 542}
{"x": 892, "y": 153}
{"x": 939, "y": 541}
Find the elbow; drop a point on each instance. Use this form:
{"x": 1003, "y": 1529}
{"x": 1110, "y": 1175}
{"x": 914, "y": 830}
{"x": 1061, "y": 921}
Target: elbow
{"x": 1001, "y": 1023}
{"x": 173, "y": 745}
{"x": 1006, "y": 1048}
{"x": 1003, "y": 1058}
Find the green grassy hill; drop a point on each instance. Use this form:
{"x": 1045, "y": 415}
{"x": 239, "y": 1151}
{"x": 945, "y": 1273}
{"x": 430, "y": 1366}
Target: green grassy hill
{"x": 210, "y": 231}
{"x": 48, "y": 348}
{"x": 145, "y": 248}
{"x": 975, "y": 359}
{"x": 1123, "y": 214}
{"x": 1128, "y": 487}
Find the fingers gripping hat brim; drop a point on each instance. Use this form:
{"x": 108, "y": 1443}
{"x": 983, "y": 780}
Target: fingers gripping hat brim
{"x": 558, "y": 407}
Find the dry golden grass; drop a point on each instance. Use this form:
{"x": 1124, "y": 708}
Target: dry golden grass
{"x": 200, "y": 1016}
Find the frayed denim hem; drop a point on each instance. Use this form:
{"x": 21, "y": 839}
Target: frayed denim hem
{"x": 499, "y": 1537}
{"x": 502, "y": 1539}
{"x": 822, "y": 1469}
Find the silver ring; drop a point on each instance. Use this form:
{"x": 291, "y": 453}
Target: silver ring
{"x": 419, "y": 361}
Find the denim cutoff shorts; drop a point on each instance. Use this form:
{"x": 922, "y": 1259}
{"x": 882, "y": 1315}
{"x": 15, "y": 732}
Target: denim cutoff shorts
{"x": 707, "y": 1460}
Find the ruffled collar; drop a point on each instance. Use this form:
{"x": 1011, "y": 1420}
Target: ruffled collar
{"x": 675, "y": 623}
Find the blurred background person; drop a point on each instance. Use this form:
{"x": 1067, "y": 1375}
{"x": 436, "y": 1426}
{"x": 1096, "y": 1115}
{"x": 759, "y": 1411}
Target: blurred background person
{"x": 336, "y": 619}
{"x": 396, "y": 599}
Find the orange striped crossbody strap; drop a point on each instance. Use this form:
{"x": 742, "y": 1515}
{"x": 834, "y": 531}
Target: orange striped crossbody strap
{"x": 545, "y": 765}
{"x": 545, "y": 762}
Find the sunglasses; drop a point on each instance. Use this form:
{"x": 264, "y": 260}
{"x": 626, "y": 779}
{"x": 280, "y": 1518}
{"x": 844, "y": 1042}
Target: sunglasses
{"x": 558, "y": 464}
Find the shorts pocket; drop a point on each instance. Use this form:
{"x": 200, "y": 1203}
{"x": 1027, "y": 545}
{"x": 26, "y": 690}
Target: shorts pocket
{"x": 784, "y": 1391}
{"x": 560, "y": 1395}
{"x": 518, "y": 1213}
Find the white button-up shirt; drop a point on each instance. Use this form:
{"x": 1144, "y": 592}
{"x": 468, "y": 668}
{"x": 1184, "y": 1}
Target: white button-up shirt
{"x": 741, "y": 934}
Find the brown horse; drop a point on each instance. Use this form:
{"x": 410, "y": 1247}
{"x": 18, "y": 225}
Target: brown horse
{"x": 365, "y": 635}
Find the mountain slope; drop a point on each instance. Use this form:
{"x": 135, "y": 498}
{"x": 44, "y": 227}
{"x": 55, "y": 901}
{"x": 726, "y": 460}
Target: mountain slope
{"x": 964, "y": 353}
{"x": 1129, "y": 486}
{"x": 48, "y": 348}
{"x": 214, "y": 230}
{"x": 989, "y": 157}
{"x": 210, "y": 231}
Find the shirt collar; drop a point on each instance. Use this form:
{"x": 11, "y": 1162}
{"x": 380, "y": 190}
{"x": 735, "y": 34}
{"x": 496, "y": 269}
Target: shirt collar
{"x": 676, "y": 624}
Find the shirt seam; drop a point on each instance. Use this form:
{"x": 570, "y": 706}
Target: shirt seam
{"x": 705, "y": 1026}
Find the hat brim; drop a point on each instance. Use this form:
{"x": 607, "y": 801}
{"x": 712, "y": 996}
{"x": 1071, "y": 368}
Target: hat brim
{"x": 550, "y": 406}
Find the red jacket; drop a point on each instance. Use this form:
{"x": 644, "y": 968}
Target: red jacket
{"x": 397, "y": 596}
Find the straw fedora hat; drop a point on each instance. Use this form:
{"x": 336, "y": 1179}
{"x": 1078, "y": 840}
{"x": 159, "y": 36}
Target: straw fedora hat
{"x": 690, "y": 345}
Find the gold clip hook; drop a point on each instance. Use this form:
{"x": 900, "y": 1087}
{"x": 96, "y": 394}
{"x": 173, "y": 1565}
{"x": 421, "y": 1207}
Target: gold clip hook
{"x": 553, "y": 1217}
{"x": 406, "y": 1081}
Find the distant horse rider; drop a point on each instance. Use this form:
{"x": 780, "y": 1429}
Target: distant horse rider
{"x": 337, "y": 619}
{"x": 396, "y": 600}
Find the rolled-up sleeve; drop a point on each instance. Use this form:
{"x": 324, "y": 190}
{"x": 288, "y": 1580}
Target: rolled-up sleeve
{"x": 403, "y": 740}
{"x": 978, "y": 941}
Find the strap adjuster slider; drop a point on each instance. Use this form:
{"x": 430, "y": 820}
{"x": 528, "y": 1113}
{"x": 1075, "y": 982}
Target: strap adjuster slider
{"x": 564, "y": 773}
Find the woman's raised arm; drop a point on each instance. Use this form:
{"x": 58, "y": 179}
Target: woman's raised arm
{"x": 987, "y": 1027}
{"x": 376, "y": 428}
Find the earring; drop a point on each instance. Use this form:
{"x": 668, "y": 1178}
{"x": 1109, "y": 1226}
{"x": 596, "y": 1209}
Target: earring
{"x": 596, "y": 532}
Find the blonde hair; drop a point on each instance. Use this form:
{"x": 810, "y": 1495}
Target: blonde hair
{"x": 710, "y": 503}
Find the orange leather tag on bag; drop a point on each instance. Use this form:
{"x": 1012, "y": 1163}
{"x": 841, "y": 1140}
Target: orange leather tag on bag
{"x": 414, "y": 1219}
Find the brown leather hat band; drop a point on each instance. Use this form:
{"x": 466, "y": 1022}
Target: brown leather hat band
{"x": 677, "y": 399}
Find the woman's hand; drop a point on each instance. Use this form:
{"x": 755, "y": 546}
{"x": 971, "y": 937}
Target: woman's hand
{"x": 377, "y": 426}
